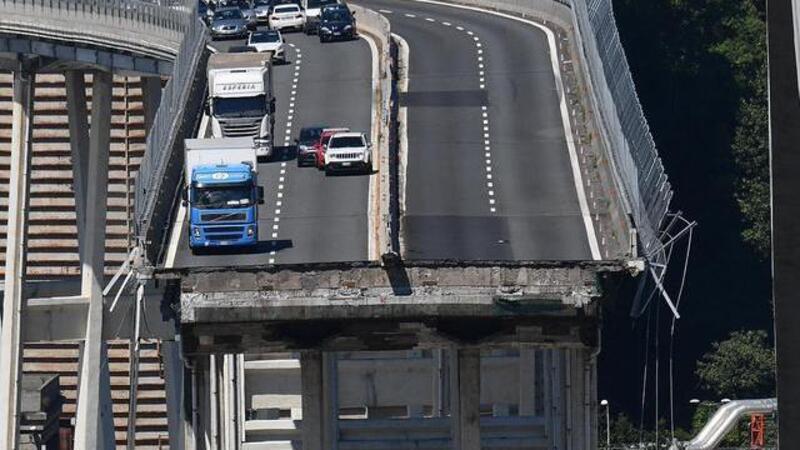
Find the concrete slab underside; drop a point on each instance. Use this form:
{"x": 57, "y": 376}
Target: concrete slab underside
{"x": 370, "y": 309}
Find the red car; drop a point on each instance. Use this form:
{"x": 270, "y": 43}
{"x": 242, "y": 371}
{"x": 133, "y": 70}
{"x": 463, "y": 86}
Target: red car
{"x": 322, "y": 144}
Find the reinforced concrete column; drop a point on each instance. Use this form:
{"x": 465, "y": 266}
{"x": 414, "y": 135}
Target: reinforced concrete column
{"x": 151, "y": 99}
{"x": 330, "y": 400}
{"x": 79, "y": 145}
{"x": 16, "y": 255}
{"x": 92, "y": 415}
{"x": 466, "y": 397}
{"x": 527, "y": 381}
{"x": 312, "y": 399}
{"x": 175, "y": 387}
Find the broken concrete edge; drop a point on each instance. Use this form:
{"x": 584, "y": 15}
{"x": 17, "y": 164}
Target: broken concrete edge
{"x": 400, "y": 87}
{"x": 632, "y": 267}
{"x": 376, "y": 29}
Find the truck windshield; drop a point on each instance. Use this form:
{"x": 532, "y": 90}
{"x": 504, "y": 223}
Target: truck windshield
{"x": 221, "y": 197}
{"x": 240, "y": 106}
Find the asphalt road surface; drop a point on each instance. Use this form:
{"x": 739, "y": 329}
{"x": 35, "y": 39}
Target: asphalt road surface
{"x": 307, "y": 217}
{"x": 489, "y": 174}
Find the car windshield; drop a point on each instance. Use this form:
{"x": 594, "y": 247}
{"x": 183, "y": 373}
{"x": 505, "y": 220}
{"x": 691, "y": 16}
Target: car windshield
{"x": 240, "y": 107}
{"x": 336, "y": 15}
{"x": 286, "y": 9}
{"x": 309, "y": 135}
{"x": 218, "y": 197}
{"x": 228, "y": 14}
{"x": 320, "y": 3}
{"x": 346, "y": 141}
{"x": 261, "y": 3}
{"x": 265, "y": 37}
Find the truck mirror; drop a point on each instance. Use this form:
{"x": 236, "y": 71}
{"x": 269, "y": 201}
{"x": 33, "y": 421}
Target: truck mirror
{"x": 260, "y": 193}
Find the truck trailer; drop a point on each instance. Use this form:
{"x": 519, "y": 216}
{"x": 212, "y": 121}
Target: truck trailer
{"x": 241, "y": 100}
{"x": 221, "y": 192}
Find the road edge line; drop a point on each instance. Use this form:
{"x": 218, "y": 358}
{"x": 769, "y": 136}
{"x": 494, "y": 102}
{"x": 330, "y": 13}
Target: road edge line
{"x": 177, "y": 227}
{"x": 577, "y": 178}
{"x": 373, "y": 241}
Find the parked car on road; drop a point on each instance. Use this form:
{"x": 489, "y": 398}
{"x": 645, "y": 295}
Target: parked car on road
{"x": 336, "y": 22}
{"x": 348, "y": 152}
{"x": 287, "y": 16}
{"x": 306, "y": 150}
{"x": 228, "y": 22}
{"x": 268, "y": 41}
{"x": 323, "y": 142}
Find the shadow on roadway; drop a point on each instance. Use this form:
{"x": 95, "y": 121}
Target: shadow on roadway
{"x": 262, "y": 247}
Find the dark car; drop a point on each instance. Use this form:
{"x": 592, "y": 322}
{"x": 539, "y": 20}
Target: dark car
{"x": 336, "y": 22}
{"x": 306, "y": 145}
{"x": 229, "y": 22}
{"x": 313, "y": 10}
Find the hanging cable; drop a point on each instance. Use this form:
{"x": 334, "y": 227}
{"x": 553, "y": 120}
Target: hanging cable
{"x": 644, "y": 377}
{"x": 672, "y": 337}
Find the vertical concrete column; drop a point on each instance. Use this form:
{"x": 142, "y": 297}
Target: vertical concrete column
{"x": 174, "y": 378}
{"x": 527, "y": 381}
{"x": 557, "y": 397}
{"x": 547, "y": 391}
{"x": 79, "y": 145}
{"x": 151, "y": 99}
{"x": 16, "y": 253}
{"x": 312, "y": 399}
{"x": 439, "y": 384}
{"x": 89, "y": 430}
{"x": 466, "y": 398}
{"x": 330, "y": 399}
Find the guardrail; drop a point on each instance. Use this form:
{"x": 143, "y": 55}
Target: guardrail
{"x": 637, "y": 167}
{"x": 177, "y": 117}
{"x": 128, "y": 25}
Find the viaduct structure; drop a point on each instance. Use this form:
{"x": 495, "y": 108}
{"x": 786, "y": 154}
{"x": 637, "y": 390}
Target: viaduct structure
{"x": 449, "y": 302}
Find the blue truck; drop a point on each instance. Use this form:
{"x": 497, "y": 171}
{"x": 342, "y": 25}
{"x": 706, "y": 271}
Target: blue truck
{"x": 222, "y": 193}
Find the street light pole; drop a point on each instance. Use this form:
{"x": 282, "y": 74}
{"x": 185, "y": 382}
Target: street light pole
{"x": 608, "y": 423}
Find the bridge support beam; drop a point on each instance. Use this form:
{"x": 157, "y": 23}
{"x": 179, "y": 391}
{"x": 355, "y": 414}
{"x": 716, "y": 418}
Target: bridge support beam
{"x": 151, "y": 98}
{"x": 16, "y": 255}
{"x": 94, "y": 426}
{"x": 319, "y": 400}
{"x": 465, "y": 372}
{"x": 79, "y": 144}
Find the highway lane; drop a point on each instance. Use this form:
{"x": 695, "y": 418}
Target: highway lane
{"x": 307, "y": 217}
{"x": 489, "y": 174}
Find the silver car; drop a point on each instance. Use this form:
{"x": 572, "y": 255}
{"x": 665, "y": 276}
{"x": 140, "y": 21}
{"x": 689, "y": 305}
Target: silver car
{"x": 228, "y": 23}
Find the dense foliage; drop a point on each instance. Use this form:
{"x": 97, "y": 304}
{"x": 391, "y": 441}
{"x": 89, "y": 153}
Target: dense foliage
{"x": 736, "y": 31}
{"x": 742, "y": 366}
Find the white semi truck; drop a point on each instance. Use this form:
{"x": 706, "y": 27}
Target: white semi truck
{"x": 221, "y": 192}
{"x": 241, "y": 101}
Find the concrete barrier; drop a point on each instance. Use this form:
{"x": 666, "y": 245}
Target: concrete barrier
{"x": 376, "y": 29}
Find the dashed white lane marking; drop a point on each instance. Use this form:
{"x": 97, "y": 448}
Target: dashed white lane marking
{"x": 484, "y": 109}
{"x": 385, "y": 11}
{"x": 287, "y": 140}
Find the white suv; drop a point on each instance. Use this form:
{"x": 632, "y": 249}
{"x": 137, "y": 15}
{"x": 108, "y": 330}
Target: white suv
{"x": 348, "y": 151}
{"x": 287, "y": 16}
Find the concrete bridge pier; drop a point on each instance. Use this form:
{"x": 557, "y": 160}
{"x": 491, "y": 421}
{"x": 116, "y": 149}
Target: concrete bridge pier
{"x": 94, "y": 426}
{"x": 13, "y": 294}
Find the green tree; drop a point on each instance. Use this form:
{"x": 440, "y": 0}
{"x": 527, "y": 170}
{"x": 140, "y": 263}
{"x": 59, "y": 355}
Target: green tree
{"x": 742, "y": 366}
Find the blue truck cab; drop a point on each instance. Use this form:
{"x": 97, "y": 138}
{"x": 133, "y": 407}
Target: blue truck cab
{"x": 222, "y": 198}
